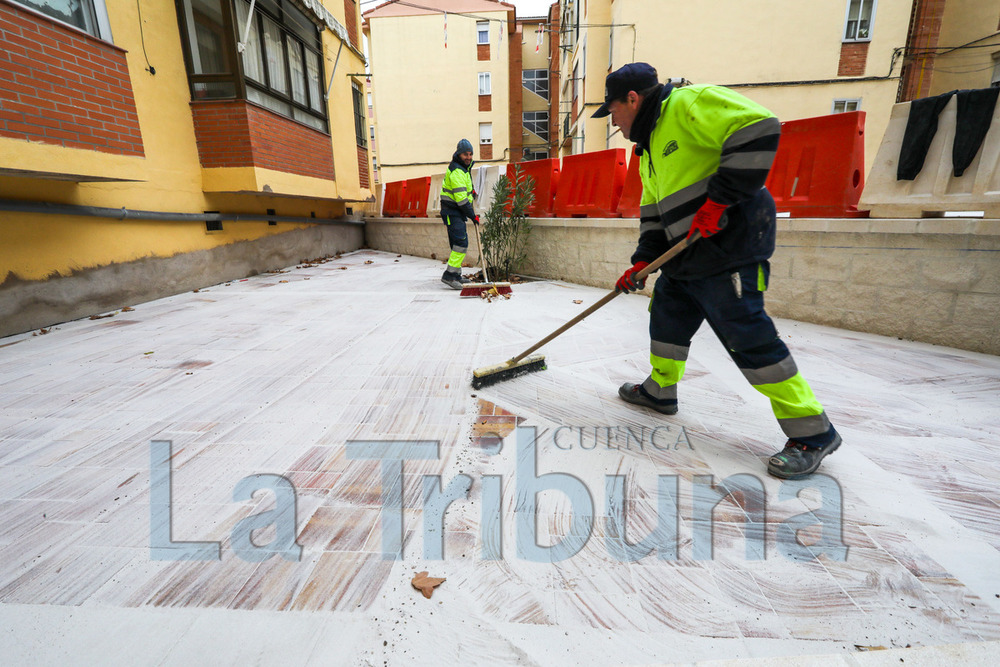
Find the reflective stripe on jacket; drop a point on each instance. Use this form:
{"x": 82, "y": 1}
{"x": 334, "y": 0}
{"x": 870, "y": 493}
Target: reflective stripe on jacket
{"x": 456, "y": 191}
{"x": 708, "y": 141}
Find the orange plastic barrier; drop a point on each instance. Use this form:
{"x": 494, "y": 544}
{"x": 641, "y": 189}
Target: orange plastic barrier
{"x": 546, "y": 174}
{"x": 819, "y": 169}
{"x": 591, "y": 184}
{"x": 415, "y": 193}
{"x": 392, "y": 203}
{"x": 628, "y": 205}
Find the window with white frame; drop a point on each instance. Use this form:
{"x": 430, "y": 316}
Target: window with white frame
{"x": 845, "y": 105}
{"x": 484, "y": 83}
{"x": 537, "y": 81}
{"x": 486, "y": 133}
{"x": 859, "y": 20}
{"x": 534, "y": 154}
{"x": 90, "y": 16}
{"x": 537, "y": 122}
{"x": 482, "y": 32}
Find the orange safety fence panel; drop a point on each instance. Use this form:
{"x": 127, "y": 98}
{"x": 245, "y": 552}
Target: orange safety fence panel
{"x": 628, "y": 205}
{"x": 546, "y": 174}
{"x": 392, "y": 203}
{"x": 591, "y": 184}
{"x": 819, "y": 169}
{"x": 415, "y": 196}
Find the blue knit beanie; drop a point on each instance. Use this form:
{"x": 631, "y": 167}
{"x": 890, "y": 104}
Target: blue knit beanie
{"x": 464, "y": 146}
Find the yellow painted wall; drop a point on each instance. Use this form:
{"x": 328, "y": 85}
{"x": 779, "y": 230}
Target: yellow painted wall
{"x": 426, "y": 96}
{"x": 970, "y": 24}
{"x": 169, "y": 177}
{"x": 724, "y": 42}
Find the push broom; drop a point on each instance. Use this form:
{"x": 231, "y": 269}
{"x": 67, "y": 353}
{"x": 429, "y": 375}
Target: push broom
{"x": 478, "y": 289}
{"x": 523, "y": 364}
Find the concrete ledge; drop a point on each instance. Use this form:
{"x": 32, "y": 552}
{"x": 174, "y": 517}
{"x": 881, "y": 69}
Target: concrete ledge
{"x": 27, "y": 305}
{"x": 930, "y": 280}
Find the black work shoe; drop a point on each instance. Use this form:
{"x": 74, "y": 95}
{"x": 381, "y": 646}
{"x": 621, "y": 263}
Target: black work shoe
{"x": 634, "y": 393}
{"x": 796, "y": 460}
{"x": 451, "y": 280}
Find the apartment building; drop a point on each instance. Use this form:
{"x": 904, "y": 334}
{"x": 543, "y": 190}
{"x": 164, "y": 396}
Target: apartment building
{"x": 841, "y": 55}
{"x": 443, "y": 70}
{"x": 952, "y": 45}
{"x": 153, "y": 147}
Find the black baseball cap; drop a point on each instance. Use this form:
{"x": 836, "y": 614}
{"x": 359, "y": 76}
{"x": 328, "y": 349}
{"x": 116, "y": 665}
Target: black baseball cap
{"x": 634, "y": 76}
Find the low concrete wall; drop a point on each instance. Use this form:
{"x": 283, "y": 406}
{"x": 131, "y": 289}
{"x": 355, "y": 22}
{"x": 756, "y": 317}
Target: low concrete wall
{"x": 27, "y": 305}
{"x": 930, "y": 280}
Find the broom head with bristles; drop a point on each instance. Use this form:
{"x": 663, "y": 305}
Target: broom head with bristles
{"x": 479, "y": 289}
{"x": 508, "y": 370}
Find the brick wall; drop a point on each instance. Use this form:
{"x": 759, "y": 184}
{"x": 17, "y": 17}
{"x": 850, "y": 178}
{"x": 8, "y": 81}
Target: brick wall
{"x": 61, "y": 86}
{"x": 234, "y": 133}
{"x": 351, "y": 21}
{"x": 925, "y": 30}
{"x": 853, "y": 59}
{"x": 516, "y": 120}
{"x": 485, "y": 102}
{"x": 485, "y": 151}
{"x": 482, "y": 51}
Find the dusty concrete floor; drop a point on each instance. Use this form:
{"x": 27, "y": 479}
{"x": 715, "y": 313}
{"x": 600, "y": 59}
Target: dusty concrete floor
{"x": 275, "y": 375}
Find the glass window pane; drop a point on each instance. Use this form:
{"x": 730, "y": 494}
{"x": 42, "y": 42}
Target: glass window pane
{"x": 315, "y": 84}
{"x": 297, "y": 69}
{"x": 299, "y": 23}
{"x": 253, "y": 61}
{"x": 269, "y": 101}
{"x": 213, "y": 90}
{"x": 79, "y": 13}
{"x": 275, "y": 56}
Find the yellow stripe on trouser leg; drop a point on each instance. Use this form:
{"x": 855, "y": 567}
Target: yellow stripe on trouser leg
{"x": 455, "y": 260}
{"x": 665, "y": 375}
{"x": 795, "y": 406}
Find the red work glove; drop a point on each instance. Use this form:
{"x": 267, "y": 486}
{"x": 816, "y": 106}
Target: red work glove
{"x": 475, "y": 219}
{"x": 627, "y": 283}
{"x": 706, "y": 220}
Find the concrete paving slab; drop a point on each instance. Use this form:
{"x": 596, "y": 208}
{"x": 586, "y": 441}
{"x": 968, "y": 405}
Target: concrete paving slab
{"x": 579, "y": 528}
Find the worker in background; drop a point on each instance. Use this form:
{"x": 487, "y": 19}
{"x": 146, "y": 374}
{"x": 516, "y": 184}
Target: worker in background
{"x": 705, "y": 152}
{"x": 456, "y": 207}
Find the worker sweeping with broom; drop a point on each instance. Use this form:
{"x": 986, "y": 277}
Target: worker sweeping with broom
{"x": 456, "y": 208}
{"x": 705, "y": 152}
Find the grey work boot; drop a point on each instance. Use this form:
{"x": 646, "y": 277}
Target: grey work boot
{"x": 796, "y": 460}
{"x": 453, "y": 280}
{"x": 635, "y": 394}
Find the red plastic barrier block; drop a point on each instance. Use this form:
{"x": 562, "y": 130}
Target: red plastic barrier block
{"x": 415, "y": 195}
{"x": 591, "y": 184}
{"x": 392, "y": 203}
{"x": 628, "y": 205}
{"x": 546, "y": 174}
{"x": 819, "y": 169}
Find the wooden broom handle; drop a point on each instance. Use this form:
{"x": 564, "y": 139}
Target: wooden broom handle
{"x": 640, "y": 275}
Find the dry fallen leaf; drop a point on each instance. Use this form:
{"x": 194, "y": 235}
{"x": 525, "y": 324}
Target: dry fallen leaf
{"x": 127, "y": 309}
{"x": 577, "y": 300}
{"x": 368, "y": 261}
{"x": 282, "y": 281}
{"x": 425, "y": 584}
{"x": 101, "y": 317}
